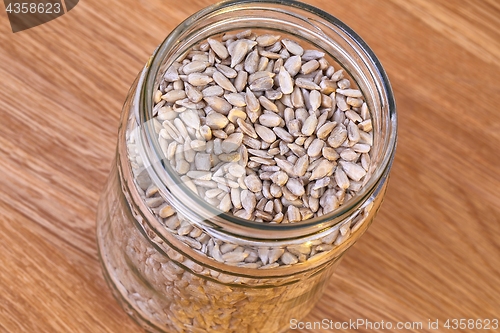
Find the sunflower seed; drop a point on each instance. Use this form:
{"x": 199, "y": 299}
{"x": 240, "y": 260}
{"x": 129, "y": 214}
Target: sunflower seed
{"x": 337, "y": 136}
{"x": 190, "y": 118}
{"x": 276, "y": 47}
{"x": 315, "y": 148}
{"x": 293, "y": 47}
{"x": 234, "y": 256}
{"x": 349, "y": 155}
{"x": 195, "y": 67}
{"x": 236, "y": 99}
{"x": 309, "y": 67}
{"x": 293, "y": 65}
{"x": 297, "y": 150}
{"x": 297, "y": 98}
{"x": 289, "y": 259}
{"x": 320, "y": 183}
{"x": 285, "y": 166}
{"x": 293, "y": 214}
{"x": 251, "y": 142}
{"x": 218, "y": 48}
{"x": 306, "y": 84}
{"x": 350, "y": 93}
{"x": 269, "y": 55}
{"x": 227, "y": 71}
{"x": 327, "y": 86}
{"x": 212, "y": 193}
{"x": 338, "y": 75}
{"x": 283, "y": 135}
{"x": 265, "y": 133}
{"x": 279, "y": 178}
{"x": 232, "y": 143}
{"x": 365, "y": 161}
{"x": 325, "y": 130}
{"x": 312, "y": 54}
{"x": 202, "y": 175}
{"x": 212, "y": 91}
{"x": 285, "y": 81}
{"x": 182, "y": 166}
{"x": 231, "y": 157}
{"x": 262, "y": 84}
{"x": 365, "y": 113}
{"x": 270, "y": 120}
{"x": 309, "y": 125}
{"x": 216, "y": 120}
{"x": 365, "y": 125}
{"x": 315, "y": 100}
{"x": 296, "y": 187}
{"x": 203, "y": 161}
{"x": 354, "y": 102}
{"x": 240, "y": 50}
{"x": 344, "y": 84}
{"x": 341, "y": 238}
{"x": 253, "y": 183}
{"x": 267, "y": 104}
{"x": 323, "y": 169}
{"x": 241, "y": 80}
{"x": 263, "y": 63}
{"x": 353, "y": 132}
{"x": 252, "y": 62}
{"x": 248, "y": 200}
{"x": 223, "y": 82}
{"x": 354, "y": 171}
{"x": 301, "y": 165}
{"x": 365, "y": 138}
{"x": 341, "y": 178}
{"x": 361, "y": 148}
{"x": 236, "y": 114}
{"x": 354, "y": 116}
{"x": 198, "y": 79}
{"x": 267, "y": 40}
{"x": 225, "y": 204}
{"x": 174, "y": 95}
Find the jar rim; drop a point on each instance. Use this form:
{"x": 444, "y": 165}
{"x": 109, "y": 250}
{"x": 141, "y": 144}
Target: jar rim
{"x": 229, "y": 222}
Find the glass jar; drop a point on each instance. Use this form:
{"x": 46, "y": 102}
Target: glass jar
{"x": 176, "y": 263}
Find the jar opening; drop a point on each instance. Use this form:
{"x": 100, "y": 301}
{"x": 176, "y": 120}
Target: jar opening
{"x": 304, "y": 22}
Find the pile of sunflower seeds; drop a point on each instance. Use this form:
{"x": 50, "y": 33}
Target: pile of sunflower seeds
{"x": 271, "y": 161}
{"x": 263, "y": 129}
{"x": 315, "y": 161}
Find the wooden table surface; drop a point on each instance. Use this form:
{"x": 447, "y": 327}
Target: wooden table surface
{"x": 433, "y": 252}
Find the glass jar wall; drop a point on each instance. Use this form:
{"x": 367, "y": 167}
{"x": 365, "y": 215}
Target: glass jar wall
{"x": 175, "y": 263}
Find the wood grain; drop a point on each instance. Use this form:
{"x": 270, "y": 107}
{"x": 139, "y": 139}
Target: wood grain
{"x": 433, "y": 251}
